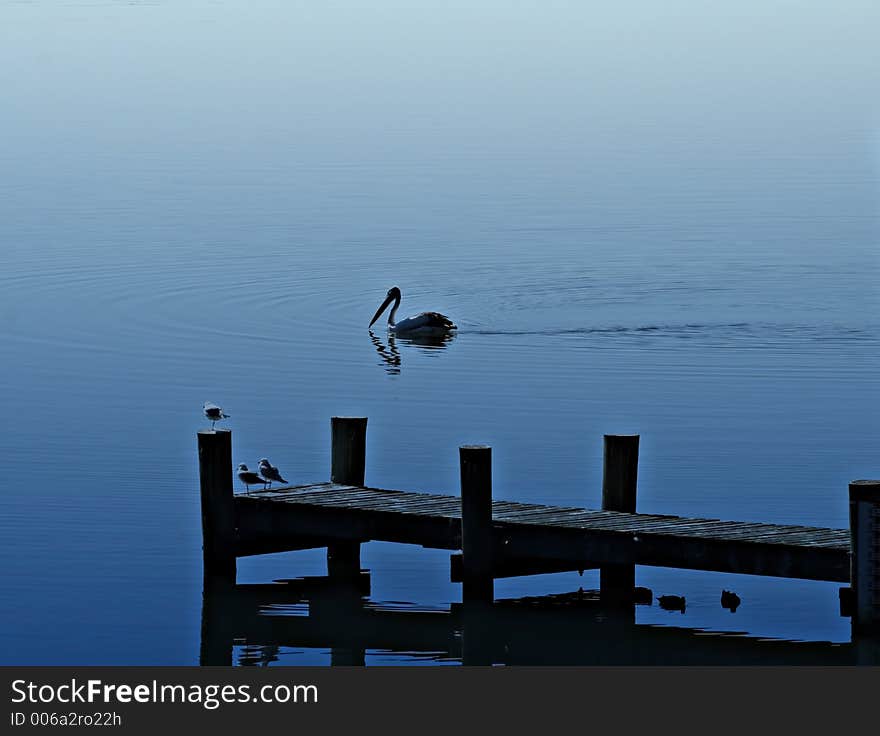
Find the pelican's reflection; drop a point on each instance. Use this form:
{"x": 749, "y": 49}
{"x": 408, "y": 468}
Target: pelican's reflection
{"x": 390, "y": 353}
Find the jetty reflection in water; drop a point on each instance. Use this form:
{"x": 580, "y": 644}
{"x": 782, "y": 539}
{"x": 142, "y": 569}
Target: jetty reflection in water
{"x": 577, "y": 628}
{"x": 390, "y": 353}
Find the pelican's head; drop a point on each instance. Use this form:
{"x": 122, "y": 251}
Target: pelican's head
{"x": 264, "y": 461}
{"x": 393, "y": 295}
{"x": 242, "y": 467}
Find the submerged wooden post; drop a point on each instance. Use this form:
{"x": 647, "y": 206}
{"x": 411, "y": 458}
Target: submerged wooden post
{"x": 476, "y": 523}
{"x": 619, "y": 481}
{"x": 218, "y": 516}
{"x": 348, "y": 458}
{"x": 864, "y": 522}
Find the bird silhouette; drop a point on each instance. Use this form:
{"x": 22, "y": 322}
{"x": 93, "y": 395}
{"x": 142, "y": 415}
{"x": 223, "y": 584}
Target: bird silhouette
{"x": 730, "y": 600}
{"x": 672, "y": 602}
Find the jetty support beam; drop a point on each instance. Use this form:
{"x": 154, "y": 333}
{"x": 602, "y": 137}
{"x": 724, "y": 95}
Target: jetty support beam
{"x": 619, "y": 482}
{"x": 864, "y": 517}
{"x": 348, "y": 456}
{"x": 477, "y": 538}
{"x": 218, "y": 514}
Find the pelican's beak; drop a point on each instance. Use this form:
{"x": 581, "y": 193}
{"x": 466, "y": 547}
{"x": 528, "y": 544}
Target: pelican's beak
{"x": 388, "y": 300}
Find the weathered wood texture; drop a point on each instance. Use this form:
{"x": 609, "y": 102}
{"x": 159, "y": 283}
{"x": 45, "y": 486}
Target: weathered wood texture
{"x": 348, "y": 460}
{"x": 620, "y": 472}
{"x": 864, "y": 512}
{"x": 348, "y": 452}
{"x": 327, "y": 513}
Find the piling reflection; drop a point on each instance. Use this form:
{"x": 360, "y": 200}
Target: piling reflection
{"x": 389, "y": 351}
{"x": 575, "y": 628}
{"x": 258, "y": 655}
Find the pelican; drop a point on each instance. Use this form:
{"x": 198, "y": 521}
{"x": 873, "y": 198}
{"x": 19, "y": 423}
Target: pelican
{"x": 426, "y": 323}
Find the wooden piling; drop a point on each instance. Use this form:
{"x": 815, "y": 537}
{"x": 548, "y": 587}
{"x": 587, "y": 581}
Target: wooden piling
{"x": 218, "y": 515}
{"x": 348, "y": 458}
{"x": 476, "y": 523}
{"x": 619, "y": 482}
{"x": 864, "y": 518}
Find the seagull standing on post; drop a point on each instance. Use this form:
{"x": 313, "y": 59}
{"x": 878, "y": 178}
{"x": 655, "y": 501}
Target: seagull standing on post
{"x": 213, "y": 412}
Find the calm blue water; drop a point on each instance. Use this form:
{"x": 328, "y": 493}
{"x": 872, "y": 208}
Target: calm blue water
{"x": 654, "y": 221}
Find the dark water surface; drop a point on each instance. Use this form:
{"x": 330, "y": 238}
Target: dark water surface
{"x": 659, "y": 222}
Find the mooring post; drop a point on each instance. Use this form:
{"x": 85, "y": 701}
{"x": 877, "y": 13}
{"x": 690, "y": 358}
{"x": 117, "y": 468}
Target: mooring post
{"x": 348, "y": 458}
{"x": 476, "y": 523}
{"x": 619, "y": 481}
{"x": 864, "y": 524}
{"x": 218, "y": 515}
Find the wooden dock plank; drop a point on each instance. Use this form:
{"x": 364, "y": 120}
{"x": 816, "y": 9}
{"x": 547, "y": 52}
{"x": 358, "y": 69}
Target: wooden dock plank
{"x": 731, "y": 530}
{"x": 513, "y": 512}
{"x": 317, "y": 512}
{"x": 532, "y": 516}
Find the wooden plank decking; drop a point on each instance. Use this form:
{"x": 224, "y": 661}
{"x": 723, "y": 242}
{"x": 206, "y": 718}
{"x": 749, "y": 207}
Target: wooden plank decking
{"x": 312, "y": 515}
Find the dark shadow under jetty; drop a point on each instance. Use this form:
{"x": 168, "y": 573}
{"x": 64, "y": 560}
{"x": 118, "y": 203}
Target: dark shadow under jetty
{"x": 575, "y": 628}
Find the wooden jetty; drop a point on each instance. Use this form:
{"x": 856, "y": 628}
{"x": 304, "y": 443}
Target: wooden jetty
{"x": 504, "y": 538}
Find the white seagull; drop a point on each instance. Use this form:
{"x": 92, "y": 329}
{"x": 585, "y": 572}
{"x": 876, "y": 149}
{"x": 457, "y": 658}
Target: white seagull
{"x": 249, "y": 477}
{"x": 426, "y": 323}
{"x": 270, "y": 472}
{"x": 213, "y": 412}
